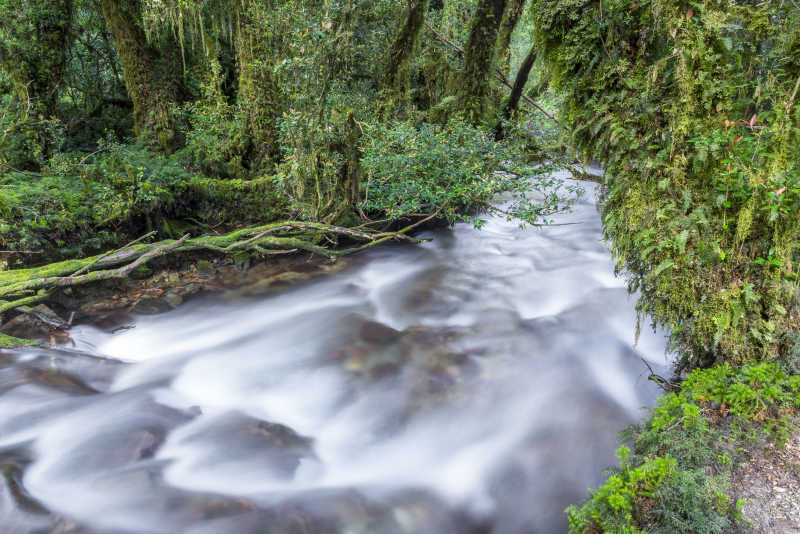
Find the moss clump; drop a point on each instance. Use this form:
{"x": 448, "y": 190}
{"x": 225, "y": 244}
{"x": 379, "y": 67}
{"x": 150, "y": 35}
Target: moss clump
{"x": 8, "y": 342}
{"x": 75, "y": 208}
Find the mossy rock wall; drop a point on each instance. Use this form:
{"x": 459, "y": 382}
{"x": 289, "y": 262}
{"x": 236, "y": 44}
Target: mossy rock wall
{"x": 692, "y": 110}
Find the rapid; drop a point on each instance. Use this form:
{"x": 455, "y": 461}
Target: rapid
{"x": 475, "y": 383}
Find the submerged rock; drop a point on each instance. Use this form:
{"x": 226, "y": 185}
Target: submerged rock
{"x": 375, "y": 332}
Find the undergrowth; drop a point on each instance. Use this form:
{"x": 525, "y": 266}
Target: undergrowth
{"x": 78, "y": 205}
{"x": 678, "y": 477}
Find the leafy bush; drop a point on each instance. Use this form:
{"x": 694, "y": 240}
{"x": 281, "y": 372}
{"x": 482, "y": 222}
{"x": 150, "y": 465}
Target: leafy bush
{"x": 215, "y": 141}
{"x": 419, "y": 169}
{"x": 620, "y": 503}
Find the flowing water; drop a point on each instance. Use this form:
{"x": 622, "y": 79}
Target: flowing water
{"x": 475, "y": 383}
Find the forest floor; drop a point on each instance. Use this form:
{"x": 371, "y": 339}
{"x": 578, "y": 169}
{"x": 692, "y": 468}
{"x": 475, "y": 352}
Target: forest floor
{"x": 770, "y": 485}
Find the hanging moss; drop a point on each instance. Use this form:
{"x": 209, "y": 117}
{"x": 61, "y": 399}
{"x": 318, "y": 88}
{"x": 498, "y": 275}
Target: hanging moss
{"x": 395, "y": 75}
{"x": 511, "y": 17}
{"x": 34, "y": 39}
{"x": 259, "y": 95}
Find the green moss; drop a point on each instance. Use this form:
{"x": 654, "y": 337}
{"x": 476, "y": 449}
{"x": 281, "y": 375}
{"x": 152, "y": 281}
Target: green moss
{"x": 75, "y": 210}
{"x": 8, "y": 342}
{"x": 702, "y": 208}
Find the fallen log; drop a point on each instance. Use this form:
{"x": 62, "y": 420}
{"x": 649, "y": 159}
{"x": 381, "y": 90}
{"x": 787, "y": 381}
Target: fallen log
{"x": 22, "y": 287}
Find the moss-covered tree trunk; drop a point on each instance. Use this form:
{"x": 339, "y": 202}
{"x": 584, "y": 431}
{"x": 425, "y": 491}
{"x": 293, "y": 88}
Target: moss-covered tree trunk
{"x": 153, "y": 75}
{"x": 395, "y": 74}
{"x": 34, "y": 38}
{"x": 511, "y": 18}
{"x": 512, "y": 103}
{"x": 479, "y": 54}
{"x": 259, "y": 95}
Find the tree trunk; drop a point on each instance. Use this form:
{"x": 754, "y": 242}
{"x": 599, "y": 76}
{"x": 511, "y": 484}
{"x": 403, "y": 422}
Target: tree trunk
{"x": 153, "y": 78}
{"x": 511, "y": 18}
{"x": 512, "y": 103}
{"x": 34, "y": 38}
{"x": 479, "y": 56}
{"x": 259, "y": 96}
{"x": 395, "y": 75}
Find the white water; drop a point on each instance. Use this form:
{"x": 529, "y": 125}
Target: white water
{"x": 495, "y": 406}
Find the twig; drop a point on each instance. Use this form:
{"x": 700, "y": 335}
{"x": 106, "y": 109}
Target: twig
{"x": 660, "y": 381}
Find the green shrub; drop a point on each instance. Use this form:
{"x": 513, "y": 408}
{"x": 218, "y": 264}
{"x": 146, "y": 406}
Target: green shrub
{"x": 418, "y": 169}
{"x": 619, "y": 505}
{"x": 701, "y": 429}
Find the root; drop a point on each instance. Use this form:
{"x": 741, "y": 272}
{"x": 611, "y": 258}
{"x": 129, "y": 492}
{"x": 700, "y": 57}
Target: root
{"x": 22, "y": 287}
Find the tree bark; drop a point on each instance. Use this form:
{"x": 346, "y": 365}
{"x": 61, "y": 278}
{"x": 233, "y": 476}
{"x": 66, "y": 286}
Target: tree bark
{"x": 395, "y": 75}
{"x": 511, "y": 18}
{"x": 152, "y": 76}
{"x": 512, "y": 103}
{"x": 479, "y": 54}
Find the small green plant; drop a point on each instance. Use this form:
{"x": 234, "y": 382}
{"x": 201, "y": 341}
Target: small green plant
{"x": 621, "y": 504}
{"x": 757, "y": 393}
{"x": 702, "y": 429}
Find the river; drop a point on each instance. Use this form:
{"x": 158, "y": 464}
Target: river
{"x": 472, "y": 384}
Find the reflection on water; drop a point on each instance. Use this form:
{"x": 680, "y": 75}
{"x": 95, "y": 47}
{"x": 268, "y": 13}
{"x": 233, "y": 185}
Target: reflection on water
{"x": 472, "y": 384}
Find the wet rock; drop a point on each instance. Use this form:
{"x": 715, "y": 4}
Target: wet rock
{"x": 173, "y": 298}
{"x": 379, "y": 333}
{"x": 385, "y": 370}
{"x": 40, "y": 323}
{"x": 114, "y": 322}
{"x": 151, "y": 305}
{"x": 440, "y": 380}
{"x": 274, "y": 448}
{"x": 57, "y": 380}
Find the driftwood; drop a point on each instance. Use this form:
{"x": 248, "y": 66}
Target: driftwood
{"x": 21, "y": 287}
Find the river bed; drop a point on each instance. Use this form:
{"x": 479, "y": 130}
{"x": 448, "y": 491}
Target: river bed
{"x": 475, "y": 383}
